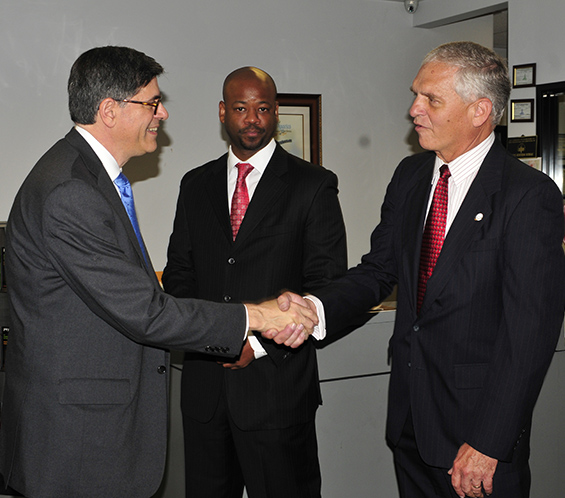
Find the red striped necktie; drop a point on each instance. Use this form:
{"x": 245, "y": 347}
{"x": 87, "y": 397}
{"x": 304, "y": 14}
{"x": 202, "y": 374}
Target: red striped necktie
{"x": 434, "y": 233}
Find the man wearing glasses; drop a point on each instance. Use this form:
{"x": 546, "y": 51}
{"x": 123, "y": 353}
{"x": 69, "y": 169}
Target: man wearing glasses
{"x": 85, "y": 402}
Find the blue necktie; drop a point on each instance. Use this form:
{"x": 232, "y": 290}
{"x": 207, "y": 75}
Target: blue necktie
{"x": 127, "y": 199}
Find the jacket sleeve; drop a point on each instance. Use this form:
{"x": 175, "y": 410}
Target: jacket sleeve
{"x": 89, "y": 249}
{"x": 324, "y": 246}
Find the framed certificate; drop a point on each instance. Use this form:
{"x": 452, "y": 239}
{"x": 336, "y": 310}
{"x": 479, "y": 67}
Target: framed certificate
{"x": 522, "y": 111}
{"x": 524, "y": 75}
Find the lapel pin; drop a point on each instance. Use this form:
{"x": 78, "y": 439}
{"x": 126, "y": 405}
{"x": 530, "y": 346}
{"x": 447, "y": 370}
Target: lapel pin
{"x": 478, "y": 216}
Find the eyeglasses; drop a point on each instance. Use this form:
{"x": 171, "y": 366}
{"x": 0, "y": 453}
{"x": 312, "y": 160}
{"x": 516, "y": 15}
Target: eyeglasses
{"x": 155, "y": 103}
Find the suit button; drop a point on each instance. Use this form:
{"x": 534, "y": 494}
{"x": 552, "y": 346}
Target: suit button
{"x": 231, "y": 261}
{"x": 416, "y": 328}
{"x": 227, "y": 299}
{"x": 162, "y": 369}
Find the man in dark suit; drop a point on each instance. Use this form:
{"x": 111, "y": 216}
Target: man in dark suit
{"x": 471, "y": 346}
{"x": 85, "y": 402}
{"x": 244, "y": 419}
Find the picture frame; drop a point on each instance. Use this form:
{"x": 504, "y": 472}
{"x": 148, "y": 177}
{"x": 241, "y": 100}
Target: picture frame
{"x": 299, "y": 130}
{"x": 522, "y": 111}
{"x": 524, "y": 75}
{"x": 523, "y": 146}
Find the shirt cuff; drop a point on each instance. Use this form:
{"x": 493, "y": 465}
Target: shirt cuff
{"x": 258, "y": 349}
{"x": 320, "y": 329}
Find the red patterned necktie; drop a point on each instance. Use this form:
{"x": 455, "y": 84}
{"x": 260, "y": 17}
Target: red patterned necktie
{"x": 240, "y": 199}
{"x": 434, "y": 233}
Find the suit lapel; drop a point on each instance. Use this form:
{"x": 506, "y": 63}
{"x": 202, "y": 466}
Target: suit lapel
{"x": 217, "y": 190}
{"x": 106, "y": 187}
{"x": 416, "y": 204}
{"x": 466, "y": 224}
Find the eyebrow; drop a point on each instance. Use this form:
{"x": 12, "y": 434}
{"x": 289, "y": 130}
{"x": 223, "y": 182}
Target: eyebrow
{"x": 155, "y": 97}
{"x": 425, "y": 94}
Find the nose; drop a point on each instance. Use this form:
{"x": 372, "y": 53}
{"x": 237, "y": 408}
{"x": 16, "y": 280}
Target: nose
{"x": 416, "y": 109}
{"x": 162, "y": 112}
{"x": 252, "y": 116}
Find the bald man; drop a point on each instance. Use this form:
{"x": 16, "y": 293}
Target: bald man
{"x": 247, "y": 418}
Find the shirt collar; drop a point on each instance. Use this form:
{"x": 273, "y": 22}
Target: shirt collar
{"x": 259, "y": 160}
{"x": 466, "y": 164}
{"x": 110, "y": 164}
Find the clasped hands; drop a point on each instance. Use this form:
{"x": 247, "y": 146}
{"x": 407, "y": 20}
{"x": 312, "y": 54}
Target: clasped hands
{"x": 288, "y": 320}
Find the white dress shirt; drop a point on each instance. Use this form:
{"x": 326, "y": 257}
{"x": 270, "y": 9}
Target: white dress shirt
{"x": 110, "y": 164}
{"x": 259, "y": 161}
{"x": 463, "y": 171}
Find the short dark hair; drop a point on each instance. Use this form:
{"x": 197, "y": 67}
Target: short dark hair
{"x": 107, "y": 72}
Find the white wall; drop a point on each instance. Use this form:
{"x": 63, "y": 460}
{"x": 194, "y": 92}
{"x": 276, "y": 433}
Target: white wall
{"x": 360, "y": 55}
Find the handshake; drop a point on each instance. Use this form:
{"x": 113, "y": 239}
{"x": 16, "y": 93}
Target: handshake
{"x": 288, "y": 320}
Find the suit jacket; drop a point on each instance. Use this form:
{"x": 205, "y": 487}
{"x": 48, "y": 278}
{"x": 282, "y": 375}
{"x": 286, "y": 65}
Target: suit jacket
{"x": 292, "y": 237}
{"x": 471, "y": 364}
{"x": 85, "y": 402}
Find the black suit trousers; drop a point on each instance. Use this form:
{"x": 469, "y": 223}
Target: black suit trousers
{"x": 276, "y": 463}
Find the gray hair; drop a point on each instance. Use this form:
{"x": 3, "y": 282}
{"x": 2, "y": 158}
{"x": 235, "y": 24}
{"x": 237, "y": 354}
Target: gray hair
{"x": 481, "y": 73}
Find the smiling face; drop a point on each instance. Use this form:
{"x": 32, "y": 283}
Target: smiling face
{"x": 444, "y": 122}
{"x": 249, "y": 113}
{"x": 138, "y": 125}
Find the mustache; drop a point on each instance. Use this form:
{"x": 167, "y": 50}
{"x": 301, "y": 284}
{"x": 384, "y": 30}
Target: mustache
{"x": 257, "y": 129}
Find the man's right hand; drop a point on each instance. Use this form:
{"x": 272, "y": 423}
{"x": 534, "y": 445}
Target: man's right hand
{"x": 291, "y": 326}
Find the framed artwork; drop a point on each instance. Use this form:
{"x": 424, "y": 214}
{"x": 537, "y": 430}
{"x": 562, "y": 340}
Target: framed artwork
{"x": 300, "y": 125}
{"x": 522, "y": 111}
{"x": 524, "y": 75}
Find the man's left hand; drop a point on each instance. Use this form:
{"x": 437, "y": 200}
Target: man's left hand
{"x": 245, "y": 358}
{"x": 472, "y": 472}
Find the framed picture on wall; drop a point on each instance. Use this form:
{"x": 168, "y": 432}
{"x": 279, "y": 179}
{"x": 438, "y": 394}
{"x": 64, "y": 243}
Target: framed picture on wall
{"x": 522, "y": 111}
{"x": 300, "y": 125}
{"x": 524, "y": 75}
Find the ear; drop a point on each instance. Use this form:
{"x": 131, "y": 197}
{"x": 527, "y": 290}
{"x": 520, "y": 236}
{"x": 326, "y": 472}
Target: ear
{"x": 222, "y": 109}
{"x": 277, "y": 110}
{"x": 482, "y": 110}
{"x": 108, "y": 112}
